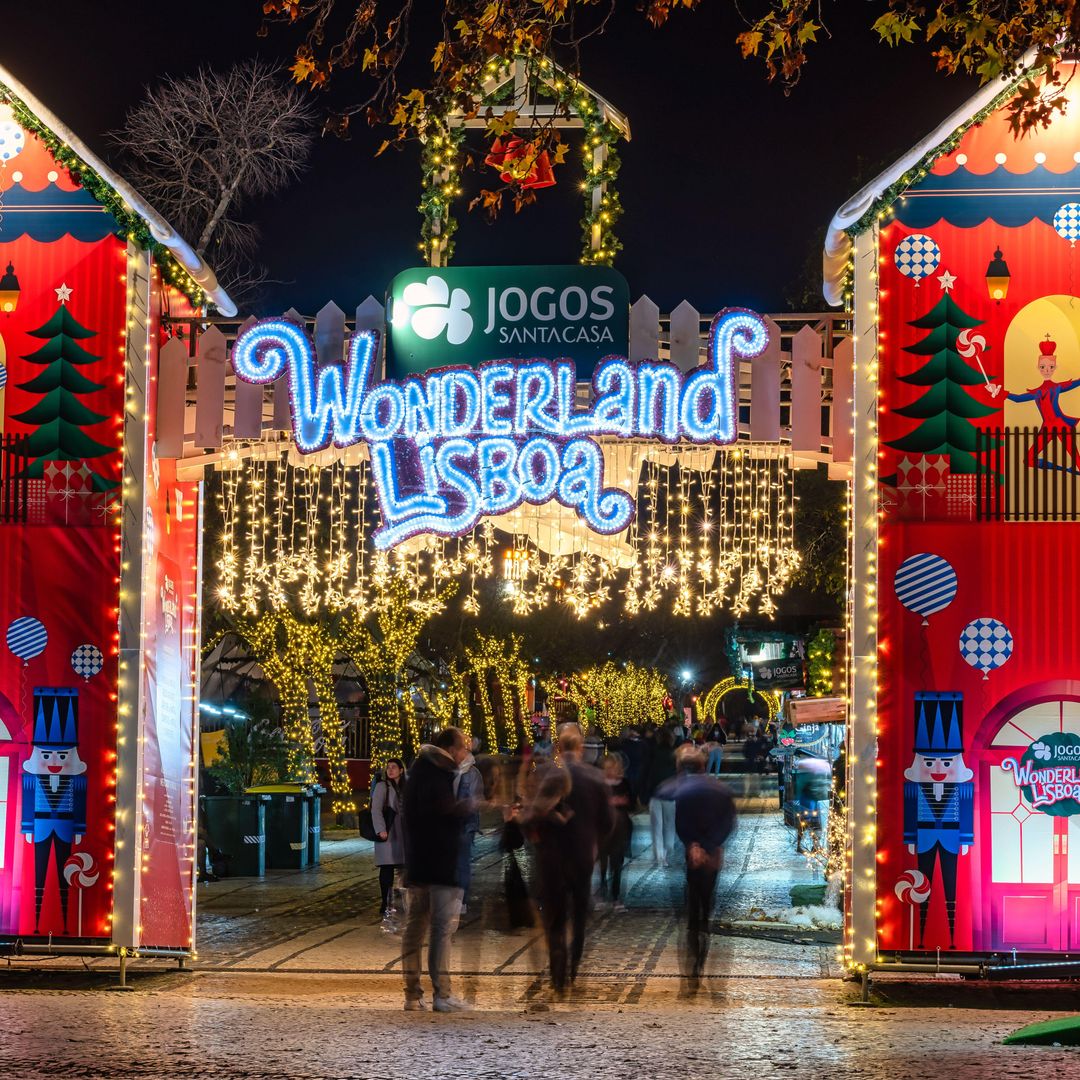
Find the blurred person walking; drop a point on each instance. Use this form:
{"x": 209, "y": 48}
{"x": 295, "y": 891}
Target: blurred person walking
{"x": 614, "y": 849}
{"x": 433, "y": 826}
{"x": 568, "y": 817}
{"x": 389, "y": 837}
{"x": 704, "y": 819}
{"x": 661, "y": 796}
{"x": 469, "y": 789}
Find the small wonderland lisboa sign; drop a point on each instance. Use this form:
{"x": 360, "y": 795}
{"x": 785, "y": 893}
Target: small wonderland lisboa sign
{"x": 1048, "y": 773}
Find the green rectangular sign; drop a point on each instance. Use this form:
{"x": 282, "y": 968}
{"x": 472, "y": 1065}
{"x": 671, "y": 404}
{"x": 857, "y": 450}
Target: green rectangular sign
{"x": 466, "y": 315}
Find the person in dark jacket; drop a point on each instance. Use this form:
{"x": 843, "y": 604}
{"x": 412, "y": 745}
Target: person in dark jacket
{"x": 661, "y": 797}
{"x": 704, "y": 819}
{"x": 434, "y": 819}
{"x": 614, "y": 849}
{"x": 568, "y": 816}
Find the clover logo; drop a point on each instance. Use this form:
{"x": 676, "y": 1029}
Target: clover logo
{"x": 430, "y": 309}
{"x": 1041, "y": 751}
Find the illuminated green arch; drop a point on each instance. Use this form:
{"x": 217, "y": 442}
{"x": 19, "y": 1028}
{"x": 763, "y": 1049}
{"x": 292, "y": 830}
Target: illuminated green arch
{"x": 772, "y": 698}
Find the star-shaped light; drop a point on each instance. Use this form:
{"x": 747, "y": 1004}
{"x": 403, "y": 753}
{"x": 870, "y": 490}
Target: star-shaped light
{"x": 63, "y": 294}
{"x": 947, "y": 280}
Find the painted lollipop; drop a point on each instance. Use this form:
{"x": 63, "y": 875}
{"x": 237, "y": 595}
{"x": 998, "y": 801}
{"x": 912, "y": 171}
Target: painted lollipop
{"x": 986, "y": 644}
{"x": 86, "y": 661}
{"x": 80, "y": 872}
{"x": 925, "y": 584}
{"x": 912, "y": 888}
{"x": 917, "y": 256}
{"x": 1067, "y": 222}
{"x": 27, "y": 638}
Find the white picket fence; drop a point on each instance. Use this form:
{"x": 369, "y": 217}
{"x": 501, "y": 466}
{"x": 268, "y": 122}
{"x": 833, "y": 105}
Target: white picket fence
{"x": 798, "y": 392}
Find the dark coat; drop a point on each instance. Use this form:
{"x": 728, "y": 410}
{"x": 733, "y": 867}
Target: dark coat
{"x": 704, "y": 811}
{"x": 570, "y": 831}
{"x": 433, "y": 819}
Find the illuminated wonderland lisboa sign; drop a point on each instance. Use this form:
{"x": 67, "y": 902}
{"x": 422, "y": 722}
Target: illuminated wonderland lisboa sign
{"x": 457, "y": 444}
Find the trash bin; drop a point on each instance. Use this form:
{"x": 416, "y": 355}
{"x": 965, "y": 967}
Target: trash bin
{"x": 236, "y": 825}
{"x": 286, "y": 825}
{"x": 314, "y": 831}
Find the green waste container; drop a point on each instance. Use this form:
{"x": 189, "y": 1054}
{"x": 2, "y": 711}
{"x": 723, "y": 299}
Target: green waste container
{"x": 286, "y": 825}
{"x": 236, "y": 825}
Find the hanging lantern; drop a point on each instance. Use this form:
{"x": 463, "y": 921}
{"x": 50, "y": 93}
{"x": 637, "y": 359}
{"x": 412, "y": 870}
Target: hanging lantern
{"x": 9, "y": 291}
{"x": 997, "y": 277}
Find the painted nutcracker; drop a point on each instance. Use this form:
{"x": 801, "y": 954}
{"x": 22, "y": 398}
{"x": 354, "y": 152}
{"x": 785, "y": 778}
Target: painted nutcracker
{"x": 939, "y": 798}
{"x": 54, "y": 791}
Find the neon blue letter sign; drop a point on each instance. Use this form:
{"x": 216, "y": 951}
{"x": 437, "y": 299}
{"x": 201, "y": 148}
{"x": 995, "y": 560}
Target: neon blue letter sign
{"x": 459, "y": 444}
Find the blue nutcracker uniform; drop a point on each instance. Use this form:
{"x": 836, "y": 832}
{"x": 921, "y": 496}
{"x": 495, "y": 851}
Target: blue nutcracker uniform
{"x": 939, "y": 818}
{"x": 53, "y": 805}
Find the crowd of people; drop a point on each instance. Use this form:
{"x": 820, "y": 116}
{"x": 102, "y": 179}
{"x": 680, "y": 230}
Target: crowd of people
{"x": 567, "y": 802}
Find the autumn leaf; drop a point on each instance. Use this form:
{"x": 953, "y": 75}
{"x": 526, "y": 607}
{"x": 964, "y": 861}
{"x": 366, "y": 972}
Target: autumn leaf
{"x": 301, "y": 69}
{"x": 893, "y": 28}
{"x": 503, "y": 125}
{"x": 808, "y": 32}
{"x": 371, "y": 56}
{"x": 383, "y": 146}
{"x": 559, "y": 155}
{"x": 750, "y": 41}
{"x": 437, "y": 55}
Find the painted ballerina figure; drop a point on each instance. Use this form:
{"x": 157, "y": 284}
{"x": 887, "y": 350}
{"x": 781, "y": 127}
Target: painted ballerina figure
{"x": 1056, "y": 424}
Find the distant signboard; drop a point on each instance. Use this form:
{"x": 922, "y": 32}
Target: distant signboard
{"x": 778, "y": 674}
{"x": 817, "y": 710}
{"x": 440, "y": 317}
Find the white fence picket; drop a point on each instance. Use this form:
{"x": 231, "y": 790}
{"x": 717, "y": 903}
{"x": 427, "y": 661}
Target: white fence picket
{"x": 172, "y": 398}
{"x": 843, "y": 395}
{"x": 685, "y": 336}
{"x": 371, "y": 315}
{"x": 282, "y": 406}
{"x": 765, "y": 390}
{"x": 210, "y": 391}
{"x": 248, "y": 408}
{"x": 644, "y": 330}
{"x": 806, "y": 356}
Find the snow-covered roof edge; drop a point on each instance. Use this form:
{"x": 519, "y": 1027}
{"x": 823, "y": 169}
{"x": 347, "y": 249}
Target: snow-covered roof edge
{"x": 838, "y": 238}
{"x": 159, "y": 228}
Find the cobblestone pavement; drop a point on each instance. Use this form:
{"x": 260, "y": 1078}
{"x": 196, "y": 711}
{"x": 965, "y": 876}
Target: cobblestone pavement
{"x": 295, "y": 981}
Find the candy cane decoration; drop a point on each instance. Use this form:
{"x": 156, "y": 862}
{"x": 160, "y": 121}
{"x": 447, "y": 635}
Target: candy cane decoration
{"x": 912, "y": 888}
{"x": 80, "y": 872}
{"x": 972, "y": 346}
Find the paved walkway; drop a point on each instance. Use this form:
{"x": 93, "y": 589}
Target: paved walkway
{"x": 326, "y": 919}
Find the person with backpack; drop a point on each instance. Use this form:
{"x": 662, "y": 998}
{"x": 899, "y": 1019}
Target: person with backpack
{"x": 389, "y": 836}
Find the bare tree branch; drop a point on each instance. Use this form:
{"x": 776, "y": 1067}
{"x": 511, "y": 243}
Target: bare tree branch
{"x": 200, "y": 147}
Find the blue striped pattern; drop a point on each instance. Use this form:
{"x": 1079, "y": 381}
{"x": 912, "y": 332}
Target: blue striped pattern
{"x": 26, "y": 638}
{"x": 925, "y": 584}
{"x": 3, "y": 376}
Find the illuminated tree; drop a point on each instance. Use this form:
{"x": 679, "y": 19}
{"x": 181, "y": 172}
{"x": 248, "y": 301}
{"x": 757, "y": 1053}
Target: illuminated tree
{"x": 298, "y": 658}
{"x": 819, "y": 663}
{"x": 380, "y": 642}
{"x": 502, "y": 657}
{"x": 621, "y": 695}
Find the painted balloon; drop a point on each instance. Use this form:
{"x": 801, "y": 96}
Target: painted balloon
{"x": 917, "y": 256}
{"x": 27, "y": 638}
{"x": 925, "y": 584}
{"x": 986, "y": 644}
{"x": 87, "y": 660}
{"x": 1067, "y": 222}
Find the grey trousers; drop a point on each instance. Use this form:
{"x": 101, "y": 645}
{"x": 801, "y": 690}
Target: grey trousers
{"x": 437, "y": 906}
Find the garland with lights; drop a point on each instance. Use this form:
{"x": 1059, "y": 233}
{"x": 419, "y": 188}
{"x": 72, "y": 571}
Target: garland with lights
{"x": 129, "y": 224}
{"x": 441, "y": 164}
{"x": 819, "y": 664}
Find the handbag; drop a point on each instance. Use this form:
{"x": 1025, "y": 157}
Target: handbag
{"x": 367, "y": 822}
{"x": 367, "y": 825}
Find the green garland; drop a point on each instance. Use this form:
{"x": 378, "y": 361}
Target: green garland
{"x": 442, "y": 149}
{"x": 129, "y": 224}
{"x": 440, "y": 154}
{"x": 883, "y": 204}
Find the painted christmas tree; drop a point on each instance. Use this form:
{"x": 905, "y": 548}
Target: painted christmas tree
{"x": 60, "y": 417}
{"x": 947, "y": 409}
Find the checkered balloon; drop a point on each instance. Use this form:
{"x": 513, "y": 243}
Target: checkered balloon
{"x": 986, "y": 644}
{"x": 87, "y": 660}
{"x": 917, "y": 256}
{"x": 1067, "y": 222}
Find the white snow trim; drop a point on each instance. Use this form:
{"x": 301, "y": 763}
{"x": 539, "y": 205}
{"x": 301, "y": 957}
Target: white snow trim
{"x": 837, "y": 250}
{"x": 160, "y": 229}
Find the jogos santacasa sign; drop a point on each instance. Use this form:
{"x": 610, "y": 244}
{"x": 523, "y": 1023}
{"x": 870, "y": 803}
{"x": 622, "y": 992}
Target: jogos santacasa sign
{"x": 470, "y": 314}
{"x": 1048, "y": 773}
{"x": 455, "y": 444}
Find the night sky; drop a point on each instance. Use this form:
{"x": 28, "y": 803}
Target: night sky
{"x": 727, "y": 184}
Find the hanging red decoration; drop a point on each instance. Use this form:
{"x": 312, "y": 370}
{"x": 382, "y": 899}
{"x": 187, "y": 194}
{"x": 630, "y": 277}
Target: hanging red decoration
{"x": 520, "y": 163}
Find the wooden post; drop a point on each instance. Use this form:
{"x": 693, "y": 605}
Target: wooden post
{"x": 644, "y": 330}
{"x": 171, "y": 396}
{"x": 765, "y": 390}
{"x": 685, "y": 336}
{"x": 806, "y": 349}
{"x": 210, "y": 390}
{"x": 247, "y": 404}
